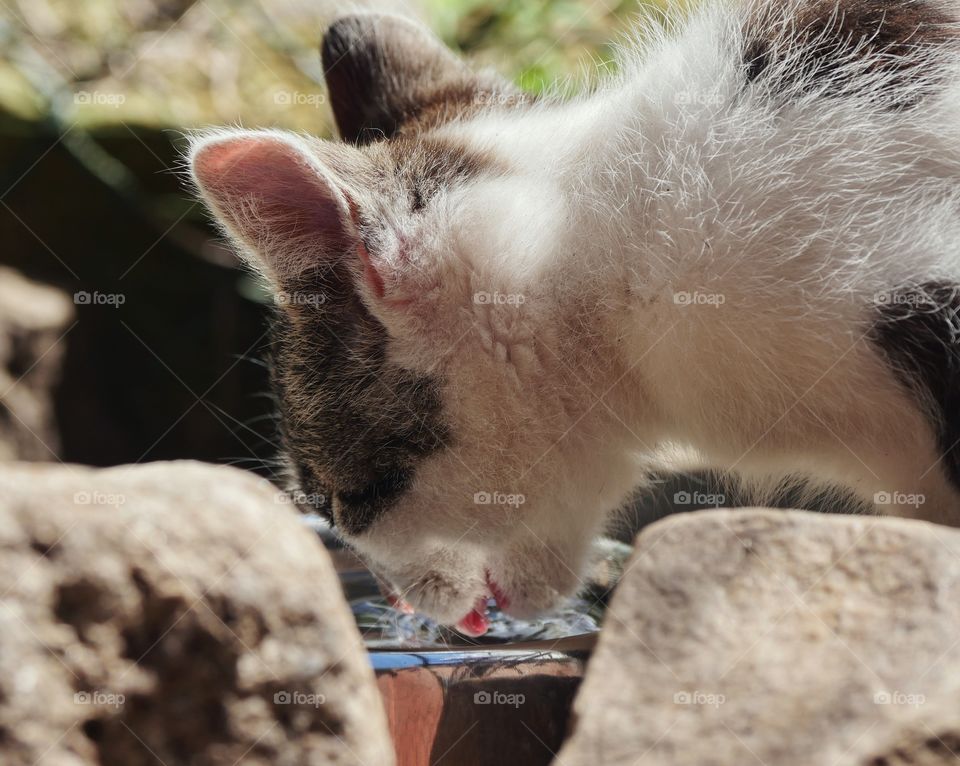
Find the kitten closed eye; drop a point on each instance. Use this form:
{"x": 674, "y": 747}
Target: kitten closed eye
{"x": 358, "y": 509}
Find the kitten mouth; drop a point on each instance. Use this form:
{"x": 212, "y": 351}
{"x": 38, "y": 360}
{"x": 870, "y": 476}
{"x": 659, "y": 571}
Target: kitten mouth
{"x": 477, "y": 622}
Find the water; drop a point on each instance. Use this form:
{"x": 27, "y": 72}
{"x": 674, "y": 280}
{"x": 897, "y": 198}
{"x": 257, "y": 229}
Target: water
{"x": 382, "y": 626}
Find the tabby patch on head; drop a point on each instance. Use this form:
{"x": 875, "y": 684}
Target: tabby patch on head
{"x": 329, "y": 226}
{"x": 355, "y": 423}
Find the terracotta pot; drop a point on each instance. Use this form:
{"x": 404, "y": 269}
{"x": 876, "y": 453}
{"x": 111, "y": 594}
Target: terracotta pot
{"x": 485, "y": 705}
{"x": 494, "y": 706}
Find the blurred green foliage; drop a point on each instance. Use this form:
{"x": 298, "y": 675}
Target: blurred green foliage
{"x": 188, "y": 63}
{"x": 535, "y": 42}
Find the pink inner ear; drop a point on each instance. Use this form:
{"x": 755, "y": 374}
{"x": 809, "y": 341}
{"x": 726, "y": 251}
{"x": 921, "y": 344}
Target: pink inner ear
{"x": 269, "y": 192}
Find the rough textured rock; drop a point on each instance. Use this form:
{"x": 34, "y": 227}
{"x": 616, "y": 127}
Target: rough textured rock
{"x": 175, "y": 613}
{"x": 778, "y": 637}
{"x": 33, "y": 318}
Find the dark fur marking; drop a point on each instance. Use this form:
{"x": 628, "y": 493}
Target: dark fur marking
{"x": 386, "y": 75}
{"x": 364, "y": 106}
{"x": 354, "y": 424}
{"x": 891, "y": 34}
{"x": 918, "y": 331}
{"x": 308, "y": 493}
{"x": 425, "y": 165}
{"x": 362, "y": 507}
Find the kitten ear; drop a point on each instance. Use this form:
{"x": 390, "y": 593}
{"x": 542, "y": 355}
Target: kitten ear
{"x": 383, "y": 71}
{"x": 276, "y": 199}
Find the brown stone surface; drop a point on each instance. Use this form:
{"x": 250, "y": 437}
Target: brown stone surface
{"x": 778, "y": 637}
{"x": 175, "y": 613}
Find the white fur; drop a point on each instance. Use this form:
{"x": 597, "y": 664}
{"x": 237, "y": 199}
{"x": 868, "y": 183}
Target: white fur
{"x": 784, "y": 219}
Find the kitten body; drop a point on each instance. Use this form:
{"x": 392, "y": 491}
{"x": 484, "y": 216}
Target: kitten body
{"x": 745, "y": 244}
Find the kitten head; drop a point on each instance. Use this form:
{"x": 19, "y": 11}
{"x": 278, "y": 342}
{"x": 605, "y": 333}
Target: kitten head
{"x": 427, "y": 384}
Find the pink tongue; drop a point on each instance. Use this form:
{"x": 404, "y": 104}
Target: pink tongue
{"x": 475, "y": 623}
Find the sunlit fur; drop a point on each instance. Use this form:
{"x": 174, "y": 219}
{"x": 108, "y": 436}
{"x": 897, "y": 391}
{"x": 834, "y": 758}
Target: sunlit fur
{"x": 783, "y": 208}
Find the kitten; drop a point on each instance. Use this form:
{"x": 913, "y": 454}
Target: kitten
{"x": 497, "y": 313}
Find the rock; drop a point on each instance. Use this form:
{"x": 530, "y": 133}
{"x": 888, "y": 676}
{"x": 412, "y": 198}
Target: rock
{"x": 175, "y": 613}
{"x": 778, "y": 637}
{"x": 33, "y": 319}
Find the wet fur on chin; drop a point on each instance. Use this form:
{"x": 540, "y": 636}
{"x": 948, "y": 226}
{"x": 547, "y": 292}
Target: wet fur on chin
{"x": 719, "y": 250}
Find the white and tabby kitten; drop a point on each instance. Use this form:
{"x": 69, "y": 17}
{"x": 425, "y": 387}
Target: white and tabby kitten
{"x": 497, "y": 313}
